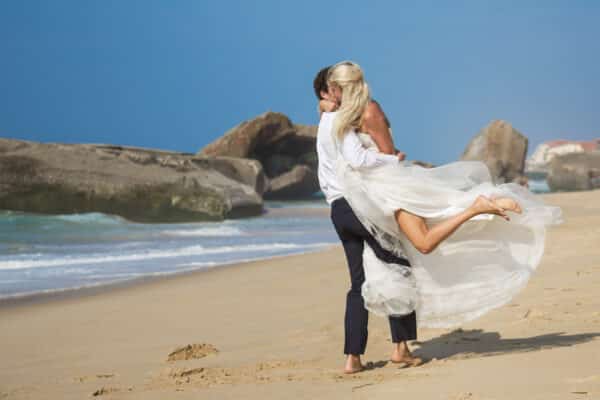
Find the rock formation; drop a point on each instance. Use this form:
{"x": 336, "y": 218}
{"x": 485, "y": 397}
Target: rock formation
{"x": 502, "y": 148}
{"x": 139, "y": 184}
{"x": 252, "y": 138}
{"x": 297, "y": 183}
{"x": 281, "y": 148}
{"x": 574, "y": 171}
{"x": 248, "y": 172}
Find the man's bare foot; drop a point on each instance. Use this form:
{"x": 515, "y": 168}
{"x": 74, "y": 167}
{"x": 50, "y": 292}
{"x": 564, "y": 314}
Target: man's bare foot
{"x": 409, "y": 360}
{"x": 353, "y": 364}
{"x": 508, "y": 204}
{"x": 402, "y": 355}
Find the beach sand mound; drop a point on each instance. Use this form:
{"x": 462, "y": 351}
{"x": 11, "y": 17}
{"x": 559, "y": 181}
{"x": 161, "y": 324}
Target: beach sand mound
{"x": 192, "y": 351}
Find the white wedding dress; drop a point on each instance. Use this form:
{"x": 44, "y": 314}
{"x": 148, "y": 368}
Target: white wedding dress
{"x": 481, "y": 266}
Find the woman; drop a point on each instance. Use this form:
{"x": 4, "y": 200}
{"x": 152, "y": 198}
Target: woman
{"x": 467, "y": 255}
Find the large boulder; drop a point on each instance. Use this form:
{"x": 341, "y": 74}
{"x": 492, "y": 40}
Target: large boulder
{"x": 300, "y": 182}
{"x": 502, "y": 148}
{"x": 574, "y": 171}
{"x": 246, "y": 171}
{"x": 278, "y": 164}
{"x": 279, "y": 145}
{"x": 139, "y": 184}
{"x": 251, "y": 138}
{"x": 307, "y": 131}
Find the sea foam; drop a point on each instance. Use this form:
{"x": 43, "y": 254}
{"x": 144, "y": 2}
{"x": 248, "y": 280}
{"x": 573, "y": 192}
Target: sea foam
{"x": 50, "y": 261}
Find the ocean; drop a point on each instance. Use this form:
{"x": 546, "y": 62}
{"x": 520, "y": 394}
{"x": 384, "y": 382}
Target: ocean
{"x": 49, "y": 253}
{"x": 537, "y": 185}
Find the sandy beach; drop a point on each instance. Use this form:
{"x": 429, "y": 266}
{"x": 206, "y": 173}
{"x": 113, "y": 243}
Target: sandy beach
{"x": 274, "y": 330}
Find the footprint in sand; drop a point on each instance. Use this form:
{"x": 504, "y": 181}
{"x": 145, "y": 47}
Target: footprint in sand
{"x": 86, "y": 378}
{"x": 204, "y": 377}
{"x": 105, "y": 376}
{"x": 262, "y": 372}
{"x": 104, "y": 390}
{"x": 108, "y": 390}
{"x": 192, "y": 351}
{"x": 185, "y": 372}
{"x": 533, "y": 314}
{"x": 463, "y": 396}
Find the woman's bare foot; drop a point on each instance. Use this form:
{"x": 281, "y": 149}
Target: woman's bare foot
{"x": 508, "y": 204}
{"x": 402, "y": 355}
{"x": 353, "y": 364}
{"x": 484, "y": 205}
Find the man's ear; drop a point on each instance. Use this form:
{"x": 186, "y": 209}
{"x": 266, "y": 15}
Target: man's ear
{"x": 324, "y": 95}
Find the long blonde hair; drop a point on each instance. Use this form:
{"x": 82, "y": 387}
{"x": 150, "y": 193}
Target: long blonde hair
{"x": 348, "y": 76}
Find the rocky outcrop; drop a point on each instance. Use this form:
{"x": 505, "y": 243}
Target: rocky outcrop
{"x": 139, "y": 184}
{"x": 307, "y": 131}
{"x": 575, "y": 171}
{"x": 252, "y": 138}
{"x": 248, "y": 172}
{"x": 300, "y": 182}
{"x": 502, "y": 148}
{"x": 280, "y": 147}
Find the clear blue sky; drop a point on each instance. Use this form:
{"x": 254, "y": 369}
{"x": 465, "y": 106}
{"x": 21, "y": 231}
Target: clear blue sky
{"x": 178, "y": 74}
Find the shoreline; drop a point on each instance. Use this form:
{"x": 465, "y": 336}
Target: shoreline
{"x": 105, "y": 288}
{"x": 102, "y": 287}
{"x": 274, "y": 212}
{"x": 61, "y": 287}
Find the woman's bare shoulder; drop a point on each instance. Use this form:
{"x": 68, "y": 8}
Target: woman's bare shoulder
{"x": 374, "y": 114}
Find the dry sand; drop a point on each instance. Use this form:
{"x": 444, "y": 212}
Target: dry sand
{"x": 273, "y": 330}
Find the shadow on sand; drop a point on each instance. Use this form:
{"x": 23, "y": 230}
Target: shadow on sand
{"x": 466, "y": 343}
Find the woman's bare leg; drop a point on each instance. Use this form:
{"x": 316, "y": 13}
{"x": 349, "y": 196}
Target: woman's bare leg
{"x": 426, "y": 239}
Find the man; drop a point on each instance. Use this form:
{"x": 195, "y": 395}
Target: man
{"x": 353, "y": 234}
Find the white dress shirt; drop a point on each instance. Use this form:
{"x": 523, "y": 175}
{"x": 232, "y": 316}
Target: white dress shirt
{"x": 353, "y": 151}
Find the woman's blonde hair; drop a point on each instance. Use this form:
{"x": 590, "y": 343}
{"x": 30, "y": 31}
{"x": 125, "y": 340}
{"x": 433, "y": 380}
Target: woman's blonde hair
{"x": 348, "y": 76}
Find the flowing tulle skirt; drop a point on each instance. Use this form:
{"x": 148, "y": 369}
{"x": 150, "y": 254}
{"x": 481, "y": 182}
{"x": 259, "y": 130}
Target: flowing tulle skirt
{"x": 481, "y": 266}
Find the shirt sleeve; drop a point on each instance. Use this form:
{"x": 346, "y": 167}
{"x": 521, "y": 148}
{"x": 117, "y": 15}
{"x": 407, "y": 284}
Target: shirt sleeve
{"x": 360, "y": 157}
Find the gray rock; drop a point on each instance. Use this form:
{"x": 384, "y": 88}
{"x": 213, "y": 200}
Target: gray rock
{"x": 300, "y": 182}
{"x": 278, "y": 164}
{"x": 307, "y": 131}
{"x": 502, "y": 148}
{"x": 277, "y": 144}
{"x": 309, "y": 159}
{"x": 246, "y": 171}
{"x": 252, "y": 138}
{"x": 139, "y": 184}
{"x": 574, "y": 171}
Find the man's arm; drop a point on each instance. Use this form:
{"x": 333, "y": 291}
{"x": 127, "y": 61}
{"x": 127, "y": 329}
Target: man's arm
{"x": 359, "y": 157}
{"x": 375, "y": 123}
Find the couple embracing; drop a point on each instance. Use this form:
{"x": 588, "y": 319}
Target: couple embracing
{"x": 439, "y": 246}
